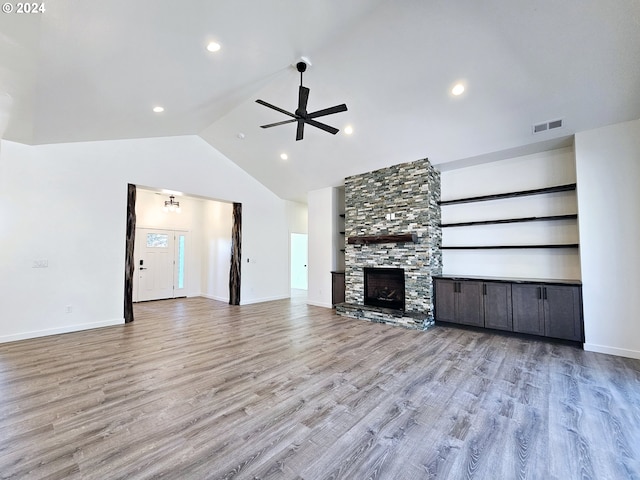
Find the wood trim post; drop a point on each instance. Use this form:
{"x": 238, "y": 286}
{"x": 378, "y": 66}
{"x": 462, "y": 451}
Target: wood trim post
{"x": 236, "y": 255}
{"x": 129, "y": 266}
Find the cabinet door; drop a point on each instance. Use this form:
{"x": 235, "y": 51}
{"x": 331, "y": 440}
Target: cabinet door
{"x": 528, "y": 309}
{"x": 337, "y": 288}
{"x": 445, "y": 294}
{"x": 563, "y": 314}
{"x": 497, "y": 306}
{"x": 469, "y": 303}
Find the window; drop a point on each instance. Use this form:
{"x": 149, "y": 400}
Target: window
{"x": 157, "y": 240}
{"x": 181, "y": 261}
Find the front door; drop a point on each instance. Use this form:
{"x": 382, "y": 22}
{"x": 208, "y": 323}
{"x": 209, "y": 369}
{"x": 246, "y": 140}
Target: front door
{"x": 159, "y": 262}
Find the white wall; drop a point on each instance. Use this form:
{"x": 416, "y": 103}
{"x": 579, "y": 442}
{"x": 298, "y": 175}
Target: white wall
{"x": 608, "y": 172}
{"x": 298, "y": 217}
{"x": 66, "y": 204}
{"x": 322, "y": 245}
{"x": 528, "y": 172}
{"x": 216, "y": 248}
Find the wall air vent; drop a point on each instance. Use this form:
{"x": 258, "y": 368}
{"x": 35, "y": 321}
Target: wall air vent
{"x": 550, "y": 125}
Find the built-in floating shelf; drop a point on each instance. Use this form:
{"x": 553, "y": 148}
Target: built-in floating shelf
{"x": 401, "y": 238}
{"x": 511, "y": 220}
{"x": 502, "y": 247}
{"x": 523, "y": 193}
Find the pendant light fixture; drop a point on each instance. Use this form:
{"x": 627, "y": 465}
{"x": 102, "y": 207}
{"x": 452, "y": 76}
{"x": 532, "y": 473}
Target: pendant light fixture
{"x": 171, "y": 205}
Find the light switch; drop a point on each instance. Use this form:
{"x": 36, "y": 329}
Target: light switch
{"x": 40, "y": 264}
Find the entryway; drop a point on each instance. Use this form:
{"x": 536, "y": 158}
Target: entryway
{"x": 159, "y": 264}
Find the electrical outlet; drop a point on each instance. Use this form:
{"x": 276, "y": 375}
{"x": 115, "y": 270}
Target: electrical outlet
{"x": 40, "y": 264}
{"x": 68, "y": 309}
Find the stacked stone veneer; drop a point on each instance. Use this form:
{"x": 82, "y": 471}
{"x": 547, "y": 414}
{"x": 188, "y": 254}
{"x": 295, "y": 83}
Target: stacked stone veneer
{"x": 410, "y": 192}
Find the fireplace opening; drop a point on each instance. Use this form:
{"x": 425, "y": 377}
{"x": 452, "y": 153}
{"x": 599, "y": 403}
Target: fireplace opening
{"x": 384, "y": 287}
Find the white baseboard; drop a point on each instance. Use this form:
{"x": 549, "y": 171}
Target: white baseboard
{"x": 264, "y": 299}
{"x": 619, "y": 352}
{"x": 58, "y": 330}
{"x": 319, "y": 304}
{"x": 214, "y": 297}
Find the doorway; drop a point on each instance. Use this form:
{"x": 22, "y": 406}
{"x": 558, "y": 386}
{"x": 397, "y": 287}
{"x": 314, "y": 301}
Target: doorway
{"x": 299, "y": 258}
{"x": 159, "y": 262}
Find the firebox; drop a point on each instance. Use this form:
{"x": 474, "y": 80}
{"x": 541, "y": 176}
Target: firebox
{"x": 384, "y": 287}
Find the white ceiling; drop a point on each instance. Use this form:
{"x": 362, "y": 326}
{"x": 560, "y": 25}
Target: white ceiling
{"x": 94, "y": 70}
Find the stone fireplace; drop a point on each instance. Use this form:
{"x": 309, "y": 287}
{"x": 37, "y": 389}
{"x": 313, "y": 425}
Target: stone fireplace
{"x": 384, "y": 287}
{"x": 392, "y": 223}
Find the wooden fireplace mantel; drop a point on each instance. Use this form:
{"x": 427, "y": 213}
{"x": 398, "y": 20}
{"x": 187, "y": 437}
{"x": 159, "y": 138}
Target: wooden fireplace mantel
{"x": 400, "y": 238}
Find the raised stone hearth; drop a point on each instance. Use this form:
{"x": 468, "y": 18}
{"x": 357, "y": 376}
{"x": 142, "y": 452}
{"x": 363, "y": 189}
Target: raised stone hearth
{"x": 416, "y": 321}
{"x": 392, "y": 221}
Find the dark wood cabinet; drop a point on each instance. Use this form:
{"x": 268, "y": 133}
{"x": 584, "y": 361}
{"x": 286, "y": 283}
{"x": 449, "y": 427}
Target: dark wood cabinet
{"x": 497, "y": 306}
{"x": 337, "y": 288}
{"x": 544, "y": 309}
{"x": 549, "y": 310}
{"x": 459, "y": 302}
{"x": 470, "y": 303}
{"x": 528, "y": 309}
{"x": 445, "y": 300}
{"x": 563, "y": 312}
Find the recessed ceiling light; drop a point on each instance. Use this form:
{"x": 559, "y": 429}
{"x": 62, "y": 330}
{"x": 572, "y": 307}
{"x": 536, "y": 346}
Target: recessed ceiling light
{"x": 348, "y": 130}
{"x": 158, "y": 109}
{"x": 284, "y": 156}
{"x": 458, "y": 89}
{"x": 213, "y": 46}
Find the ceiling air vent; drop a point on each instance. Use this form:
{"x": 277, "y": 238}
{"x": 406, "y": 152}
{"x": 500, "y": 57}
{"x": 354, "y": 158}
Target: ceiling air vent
{"x": 550, "y": 125}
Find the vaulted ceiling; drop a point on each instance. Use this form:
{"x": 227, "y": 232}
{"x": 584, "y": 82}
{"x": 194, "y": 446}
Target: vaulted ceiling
{"x": 82, "y": 71}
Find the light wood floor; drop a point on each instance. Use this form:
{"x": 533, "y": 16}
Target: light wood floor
{"x": 195, "y": 388}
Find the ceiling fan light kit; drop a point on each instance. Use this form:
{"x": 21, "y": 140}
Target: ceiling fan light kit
{"x": 301, "y": 116}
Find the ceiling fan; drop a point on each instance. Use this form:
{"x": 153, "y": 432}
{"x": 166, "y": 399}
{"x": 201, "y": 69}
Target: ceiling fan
{"x": 301, "y": 115}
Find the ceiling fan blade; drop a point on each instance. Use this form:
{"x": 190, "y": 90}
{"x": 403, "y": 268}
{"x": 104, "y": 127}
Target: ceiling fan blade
{"x": 262, "y": 102}
{"x": 303, "y": 97}
{"x": 322, "y": 126}
{"x": 328, "y": 111}
{"x": 278, "y": 123}
{"x": 300, "y": 131}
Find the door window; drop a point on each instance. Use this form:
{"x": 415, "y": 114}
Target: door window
{"x": 181, "y": 261}
{"x": 157, "y": 240}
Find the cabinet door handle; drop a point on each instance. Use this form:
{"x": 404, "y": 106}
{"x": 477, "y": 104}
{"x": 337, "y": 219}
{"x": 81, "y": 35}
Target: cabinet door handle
{"x": 484, "y": 288}
{"x": 539, "y": 292}
{"x": 544, "y": 293}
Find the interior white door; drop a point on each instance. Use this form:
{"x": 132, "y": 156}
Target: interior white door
{"x": 299, "y": 256}
{"x": 155, "y": 264}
